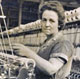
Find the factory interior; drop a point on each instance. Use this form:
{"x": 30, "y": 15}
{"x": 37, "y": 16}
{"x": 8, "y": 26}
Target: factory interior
{"x": 23, "y": 14}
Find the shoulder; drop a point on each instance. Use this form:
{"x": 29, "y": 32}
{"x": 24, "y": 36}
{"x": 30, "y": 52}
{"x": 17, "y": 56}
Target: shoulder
{"x": 64, "y": 43}
{"x": 63, "y": 47}
{"x": 67, "y": 44}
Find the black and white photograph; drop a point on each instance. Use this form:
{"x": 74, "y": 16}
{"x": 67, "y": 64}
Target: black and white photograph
{"x": 39, "y": 39}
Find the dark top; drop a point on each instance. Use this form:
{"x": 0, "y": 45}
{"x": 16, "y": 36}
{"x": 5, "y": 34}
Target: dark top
{"x": 54, "y": 47}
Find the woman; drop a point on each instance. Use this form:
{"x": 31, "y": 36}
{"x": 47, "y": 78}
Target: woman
{"x": 56, "y": 52}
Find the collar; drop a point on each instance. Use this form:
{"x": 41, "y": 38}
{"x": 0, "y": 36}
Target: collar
{"x": 57, "y": 36}
{"x": 54, "y": 38}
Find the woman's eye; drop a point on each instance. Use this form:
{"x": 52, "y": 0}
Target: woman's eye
{"x": 43, "y": 19}
{"x": 52, "y": 20}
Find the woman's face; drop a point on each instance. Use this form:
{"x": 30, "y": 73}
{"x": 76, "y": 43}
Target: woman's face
{"x": 49, "y": 22}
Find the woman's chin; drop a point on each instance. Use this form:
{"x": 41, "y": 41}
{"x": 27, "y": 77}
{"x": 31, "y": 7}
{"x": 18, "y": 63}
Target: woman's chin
{"x": 48, "y": 34}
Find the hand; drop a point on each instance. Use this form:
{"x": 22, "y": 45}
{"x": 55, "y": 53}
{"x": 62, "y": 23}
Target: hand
{"x": 21, "y": 49}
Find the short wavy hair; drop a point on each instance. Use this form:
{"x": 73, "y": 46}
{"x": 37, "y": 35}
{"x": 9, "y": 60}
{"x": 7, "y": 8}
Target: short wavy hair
{"x": 55, "y": 6}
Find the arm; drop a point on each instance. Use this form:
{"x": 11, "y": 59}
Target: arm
{"x": 48, "y": 67}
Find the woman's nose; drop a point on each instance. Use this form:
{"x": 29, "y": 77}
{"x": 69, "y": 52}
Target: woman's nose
{"x": 47, "y": 24}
